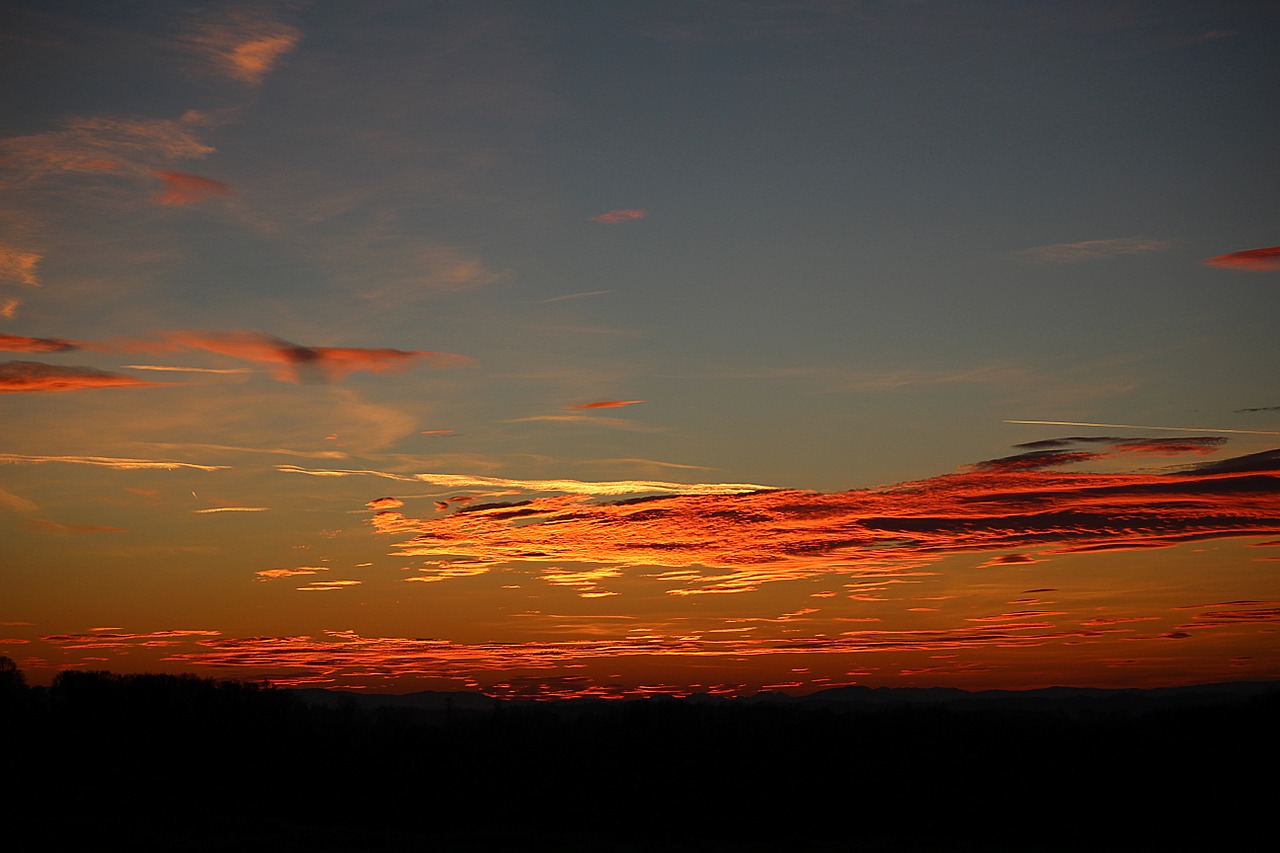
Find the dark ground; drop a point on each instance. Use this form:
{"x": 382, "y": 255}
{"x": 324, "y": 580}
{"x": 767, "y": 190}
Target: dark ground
{"x": 182, "y": 763}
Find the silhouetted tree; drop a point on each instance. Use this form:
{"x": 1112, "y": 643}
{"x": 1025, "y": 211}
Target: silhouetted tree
{"x": 12, "y": 682}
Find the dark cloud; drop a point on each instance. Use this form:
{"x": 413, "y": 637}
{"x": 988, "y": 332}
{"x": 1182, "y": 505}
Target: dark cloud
{"x": 294, "y": 362}
{"x": 1156, "y": 446}
{"x": 1036, "y": 460}
{"x": 1263, "y": 461}
{"x": 1261, "y": 409}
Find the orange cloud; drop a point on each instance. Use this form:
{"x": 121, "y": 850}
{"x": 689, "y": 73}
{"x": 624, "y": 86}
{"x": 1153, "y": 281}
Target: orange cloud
{"x": 28, "y": 377}
{"x": 385, "y": 503}
{"x": 736, "y": 542}
{"x": 100, "y": 144}
{"x": 606, "y": 404}
{"x": 1252, "y": 260}
{"x": 121, "y": 640}
{"x": 183, "y": 188}
{"x": 9, "y": 308}
{"x": 274, "y": 574}
{"x": 18, "y": 265}
{"x": 18, "y": 343}
{"x": 244, "y": 44}
{"x": 295, "y": 363}
{"x": 492, "y": 666}
{"x": 614, "y": 217}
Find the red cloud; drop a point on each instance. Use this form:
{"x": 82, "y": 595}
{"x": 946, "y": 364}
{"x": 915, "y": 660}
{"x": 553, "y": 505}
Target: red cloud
{"x": 606, "y": 404}
{"x": 35, "y": 377}
{"x": 19, "y": 343}
{"x": 295, "y": 363}
{"x": 1254, "y": 260}
{"x": 183, "y": 188}
{"x": 614, "y": 217}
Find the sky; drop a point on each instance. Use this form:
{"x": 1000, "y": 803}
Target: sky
{"x": 572, "y": 348}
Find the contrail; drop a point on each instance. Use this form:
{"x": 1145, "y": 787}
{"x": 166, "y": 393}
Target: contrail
{"x": 1139, "y": 426}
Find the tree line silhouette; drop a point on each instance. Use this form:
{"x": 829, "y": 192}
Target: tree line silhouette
{"x": 181, "y": 762}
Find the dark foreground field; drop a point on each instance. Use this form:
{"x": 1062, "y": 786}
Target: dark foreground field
{"x": 179, "y": 763}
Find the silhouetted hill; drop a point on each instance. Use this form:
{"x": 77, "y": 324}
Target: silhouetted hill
{"x": 181, "y": 763}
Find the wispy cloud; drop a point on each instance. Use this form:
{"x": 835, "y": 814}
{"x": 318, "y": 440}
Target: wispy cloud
{"x": 395, "y": 274}
{"x": 1250, "y": 260}
{"x": 34, "y": 377}
{"x": 17, "y": 503}
{"x": 276, "y": 574}
{"x": 182, "y": 188}
{"x": 493, "y": 666}
{"x": 243, "y": 43}
{"x": 106, "y": 462}
{"x": 231, "y": 448}
{"x": 60, "y": 527}
{"x": 605, "y": 404}
{"x": 328, "y": 586}
{"x": 19, "y": 266}
{"x": 583, "y": 295}
{"x": 614, "y": 217}
{"x": 104, "y": 145}
{"x": 1092, "y": 249}
{"x": 9, "y": 307}
{"x": 175, "y": 369}
{"x": 112, "y": 639}
{"x": 232, "y": 509}
{"x": 568, "y": 487}
{"x": 593, "y": 420}
{"x": 19, "y": 343}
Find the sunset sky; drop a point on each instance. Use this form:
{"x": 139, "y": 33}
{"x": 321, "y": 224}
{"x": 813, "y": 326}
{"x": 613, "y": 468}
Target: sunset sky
{"x": 598, "y": 348}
